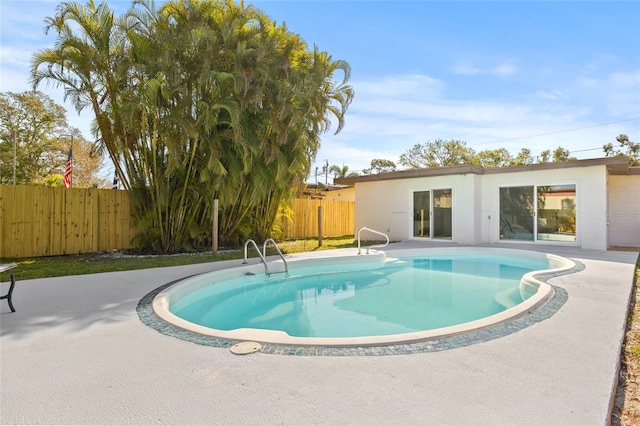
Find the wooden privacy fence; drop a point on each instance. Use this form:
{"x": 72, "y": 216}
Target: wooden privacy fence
{"x": 338, "y": 219}
{"x": 42, "y": 221}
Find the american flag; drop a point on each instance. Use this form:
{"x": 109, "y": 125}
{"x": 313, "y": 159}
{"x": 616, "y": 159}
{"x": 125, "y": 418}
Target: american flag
{"x": 116, "y": 181}
{"x": 68, "y": 171}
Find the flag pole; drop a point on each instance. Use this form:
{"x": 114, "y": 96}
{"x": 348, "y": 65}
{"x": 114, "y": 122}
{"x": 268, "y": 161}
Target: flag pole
{"x": 68, "y": 171}
{"x": 71, "y": 156}
{"x": 15, "y": 152}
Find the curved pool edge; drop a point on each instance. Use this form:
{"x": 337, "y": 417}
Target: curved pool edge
{"x": 540, "y": 306}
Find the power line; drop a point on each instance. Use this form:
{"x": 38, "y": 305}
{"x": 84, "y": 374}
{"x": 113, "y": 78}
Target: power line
{"x": 560, "y": 131}
{"x": 590, "y": 149}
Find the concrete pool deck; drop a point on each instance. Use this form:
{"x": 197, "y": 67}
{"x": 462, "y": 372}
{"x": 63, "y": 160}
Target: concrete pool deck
{"x": 76, "y": 352}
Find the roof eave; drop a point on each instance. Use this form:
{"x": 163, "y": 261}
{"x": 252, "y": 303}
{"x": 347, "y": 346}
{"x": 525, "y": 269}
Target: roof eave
{"x": 615, "y": 165}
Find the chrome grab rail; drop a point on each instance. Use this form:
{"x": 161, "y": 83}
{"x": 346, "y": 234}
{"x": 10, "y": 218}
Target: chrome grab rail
{"x": 266, "y": 270}
{"x": 364, "y": 228}
{"x": 264, "y": 251}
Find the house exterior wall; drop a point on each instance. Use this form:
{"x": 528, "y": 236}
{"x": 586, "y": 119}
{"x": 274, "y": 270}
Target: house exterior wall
{"x": 481, "y": 230}
{"x": 386, "y": 205}
{"x": 591, "y": 200}
{"x": 345, "y": 194}
{"x": 623, "y": 214}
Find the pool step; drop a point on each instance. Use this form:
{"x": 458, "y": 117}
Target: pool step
{"x": 509, "y": 297}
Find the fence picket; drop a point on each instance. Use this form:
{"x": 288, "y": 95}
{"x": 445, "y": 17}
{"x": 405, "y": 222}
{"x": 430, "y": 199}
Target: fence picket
{"x": 40, "y": 221}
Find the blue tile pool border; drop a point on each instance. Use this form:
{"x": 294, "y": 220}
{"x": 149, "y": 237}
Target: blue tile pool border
{"x": 148, "y": 317}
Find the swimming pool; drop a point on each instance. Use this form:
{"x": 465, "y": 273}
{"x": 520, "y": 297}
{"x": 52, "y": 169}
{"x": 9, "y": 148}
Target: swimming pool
{"x": 372, "y": 299}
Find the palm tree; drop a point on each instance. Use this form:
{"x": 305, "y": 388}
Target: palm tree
{"x": 194, "y": 101}
{"x": 90, "y": 64}
{"x": 339, "y": 172}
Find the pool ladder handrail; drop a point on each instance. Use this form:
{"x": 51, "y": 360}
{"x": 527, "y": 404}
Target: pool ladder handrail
{"x": 275, "y": 245}
{"x": 364, "y": 228}
{"x": 262, "y": 259}
{"x": 262, "y": 256}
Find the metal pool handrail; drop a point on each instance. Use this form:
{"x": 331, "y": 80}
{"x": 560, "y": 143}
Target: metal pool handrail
{"x": 266, "y": 270}
{"x": 264, "y": 251}
{"x": 364, "y": 228}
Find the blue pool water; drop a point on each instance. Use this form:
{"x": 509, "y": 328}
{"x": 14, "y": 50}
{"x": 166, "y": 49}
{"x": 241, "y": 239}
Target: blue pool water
{"x": 404, "y": 295}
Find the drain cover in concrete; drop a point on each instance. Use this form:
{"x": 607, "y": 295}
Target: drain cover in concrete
{"x": 244, "y": 348}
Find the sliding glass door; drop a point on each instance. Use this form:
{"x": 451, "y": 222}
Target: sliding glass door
{"x": 441, "y": 214}
{"x": 516, "y": 213}
{"x": 552, "y": 206}
{"x": 556, "y": 213}
{"x": 432, "y": 214}
{"x": 422, "y": 214}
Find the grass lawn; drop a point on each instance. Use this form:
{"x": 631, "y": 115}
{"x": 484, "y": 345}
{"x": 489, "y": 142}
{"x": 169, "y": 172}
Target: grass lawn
{"x": 93, "y": 263}
{"x": 626, "y": 410}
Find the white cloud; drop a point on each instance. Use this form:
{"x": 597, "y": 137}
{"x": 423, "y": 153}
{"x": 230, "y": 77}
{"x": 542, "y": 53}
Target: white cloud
{"x": 553, "y": 95}
{"x": 385, "y": 120}
{"x": 356, "y": 158}
{"x": 467, "y": 69}
{"x": 588, "y": 82}
{"x": 11, "y": 56}
{"x": 623, "y": 80}
{"x": 401, "y": 86}
{"x": 503, "y": 69}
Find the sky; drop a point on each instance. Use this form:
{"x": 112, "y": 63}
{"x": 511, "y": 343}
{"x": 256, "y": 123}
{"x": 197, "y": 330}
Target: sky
{"x": 498, "y": 74}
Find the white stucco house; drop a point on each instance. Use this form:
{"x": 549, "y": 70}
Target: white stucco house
{"x": 592, "y": 204}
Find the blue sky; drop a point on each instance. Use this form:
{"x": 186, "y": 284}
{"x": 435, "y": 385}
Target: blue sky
{"x": 493, "y": 74}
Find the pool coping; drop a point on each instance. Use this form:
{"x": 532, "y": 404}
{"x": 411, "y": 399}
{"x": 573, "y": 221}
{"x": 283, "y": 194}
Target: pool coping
{"x": 83, "y": 331}
{"x": 543, "y": 310}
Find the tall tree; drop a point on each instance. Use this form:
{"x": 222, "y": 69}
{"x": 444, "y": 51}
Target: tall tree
{"x": 33, "y": 124}
{"x": 340, "y": 172}
{"x": 30, "y": 122}
{"x": 559, "y": 154}
{"x": 625, "y": 147}
{"x": 380, "y": 165}
{"x": 196, "y": 100}
{"x": 87, "y": 161}
{"x": 439, "y": 153}
{"x": 493, "y": 158}
{"x": 523, "y": 157}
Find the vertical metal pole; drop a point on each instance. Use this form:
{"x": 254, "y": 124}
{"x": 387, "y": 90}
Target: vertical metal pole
{"x": 71, "y": 162}
{"x": 15, "y": 152}
{"x": 326, "y": 172}
{"x": 319, "y": 226}
{"x": 215, "y": 226}
{"x": 304, "y": 223}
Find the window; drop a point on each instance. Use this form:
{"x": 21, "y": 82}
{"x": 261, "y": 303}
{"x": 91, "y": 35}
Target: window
{"x": 516, "y": 213}
{"x": 557, "y": 213}
{"x": 554, "y": 211}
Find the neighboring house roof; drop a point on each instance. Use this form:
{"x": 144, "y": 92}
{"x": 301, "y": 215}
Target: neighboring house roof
{"x": 615, "y": 166}
{"x": 318, "y": 190}
{"x": 324, "y": 187}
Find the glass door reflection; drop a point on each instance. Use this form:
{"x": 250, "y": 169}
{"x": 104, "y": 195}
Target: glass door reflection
{"x": 442, "y": 214}
{"x": 421, "y": 216}
{"x": 556, "y": 213}
{"x": 516, "y": 213}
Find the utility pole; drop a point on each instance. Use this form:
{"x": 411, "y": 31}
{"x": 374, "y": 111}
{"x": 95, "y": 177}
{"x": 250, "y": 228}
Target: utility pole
{"x": 325, "y": 169}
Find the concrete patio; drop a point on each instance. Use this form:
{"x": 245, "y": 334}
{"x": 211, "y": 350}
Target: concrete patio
{"x": 75, "y": 352}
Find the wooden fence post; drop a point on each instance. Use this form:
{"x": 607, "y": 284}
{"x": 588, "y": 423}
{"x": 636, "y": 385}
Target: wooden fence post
{"x": 215, "y": 226}
{"x": 319, "y": 226}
